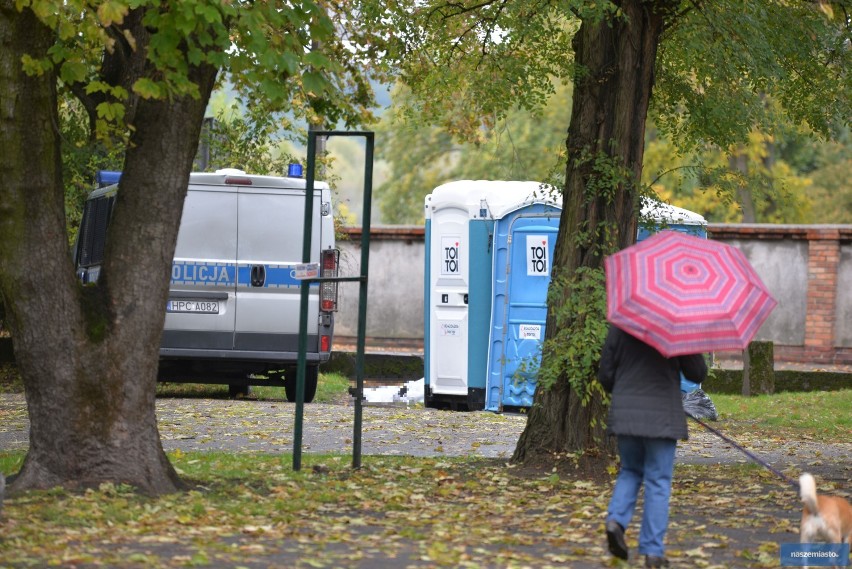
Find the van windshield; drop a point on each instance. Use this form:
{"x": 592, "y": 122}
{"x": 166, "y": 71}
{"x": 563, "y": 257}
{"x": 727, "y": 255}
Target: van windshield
{"x": 92, "y": 239}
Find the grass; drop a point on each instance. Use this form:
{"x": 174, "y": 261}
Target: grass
{"x": 11, "y": 462}
{"x": 331, "y": 387}
{"x": 10, "y": 379}
{"x": 822, "y": 415}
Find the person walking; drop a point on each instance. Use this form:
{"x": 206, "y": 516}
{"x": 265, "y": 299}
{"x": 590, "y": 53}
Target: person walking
{"x": 646, "y": 416}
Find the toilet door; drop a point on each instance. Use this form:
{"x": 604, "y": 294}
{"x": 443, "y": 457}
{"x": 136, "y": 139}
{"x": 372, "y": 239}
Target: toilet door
{"x": 533, "y": 240}
{"x": 448, "y": 330}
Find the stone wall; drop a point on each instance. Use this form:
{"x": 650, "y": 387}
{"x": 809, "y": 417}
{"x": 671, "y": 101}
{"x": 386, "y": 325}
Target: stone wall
{"x": 395, "y": 290}
{"x": 808, "y": 268}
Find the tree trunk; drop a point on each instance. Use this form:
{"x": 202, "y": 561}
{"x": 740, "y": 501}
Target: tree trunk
{"x": 739, "y": 163}
{"x": 612, "y": 87}
{"x": 88, "y": 355}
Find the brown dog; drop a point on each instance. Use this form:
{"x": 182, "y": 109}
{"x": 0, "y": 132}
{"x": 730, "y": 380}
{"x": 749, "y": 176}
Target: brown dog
{"x": 825, "y": 519}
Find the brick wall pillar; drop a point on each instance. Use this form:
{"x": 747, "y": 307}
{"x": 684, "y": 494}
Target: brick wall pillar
{"x": 823, "y": 259}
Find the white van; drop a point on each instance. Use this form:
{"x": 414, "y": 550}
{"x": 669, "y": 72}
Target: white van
{"x": 233, "y": 310}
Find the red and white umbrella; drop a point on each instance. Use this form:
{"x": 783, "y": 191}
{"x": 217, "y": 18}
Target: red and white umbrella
{"x": 685, "y": 295}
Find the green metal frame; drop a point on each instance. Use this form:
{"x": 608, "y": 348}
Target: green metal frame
{"x": 362, "y": 293}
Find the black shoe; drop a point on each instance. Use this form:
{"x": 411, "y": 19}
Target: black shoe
{"x": 615, "y": 539}
{"x": 651, "y": 561}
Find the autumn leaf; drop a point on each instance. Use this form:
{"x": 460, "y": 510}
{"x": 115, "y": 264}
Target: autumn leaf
{"x": 112, "y": 12}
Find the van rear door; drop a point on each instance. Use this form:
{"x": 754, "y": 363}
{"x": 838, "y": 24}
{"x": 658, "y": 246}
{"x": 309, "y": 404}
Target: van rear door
{"x": 201, "y": 310}
{"x": 269, "y": 245}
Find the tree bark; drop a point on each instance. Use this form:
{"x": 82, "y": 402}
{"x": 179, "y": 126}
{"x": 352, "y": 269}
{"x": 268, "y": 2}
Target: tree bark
{"x": 88, "y": 355}
{"x": 739, "y": 163}
{"x": 612, "y": 88}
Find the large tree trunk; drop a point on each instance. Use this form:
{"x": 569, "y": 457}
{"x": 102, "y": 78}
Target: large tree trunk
{"x": 88, "y": 355}
{"x": 612, "y": 87}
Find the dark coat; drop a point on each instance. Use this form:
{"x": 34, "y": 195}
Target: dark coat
{"x": 645, "y": 387}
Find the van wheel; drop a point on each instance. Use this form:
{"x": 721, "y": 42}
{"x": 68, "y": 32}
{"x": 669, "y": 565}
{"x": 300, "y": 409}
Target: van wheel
{"x": 235, "y": 391}
{"x": 311, "y": 380}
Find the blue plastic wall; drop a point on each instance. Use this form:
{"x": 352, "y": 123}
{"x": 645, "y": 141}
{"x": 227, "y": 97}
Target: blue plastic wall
{"x": 646, "y": 230}
{"x": 479, "y": 302}
{"x": 426, "y": 293}
{"x": 519, "y": 302}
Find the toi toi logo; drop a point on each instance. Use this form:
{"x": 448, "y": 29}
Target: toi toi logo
{"x": 537, "y": 263}
{"x": 450, "y": 257}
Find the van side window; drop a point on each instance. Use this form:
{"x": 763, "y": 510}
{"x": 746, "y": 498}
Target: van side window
{"x": 93, "y": 231}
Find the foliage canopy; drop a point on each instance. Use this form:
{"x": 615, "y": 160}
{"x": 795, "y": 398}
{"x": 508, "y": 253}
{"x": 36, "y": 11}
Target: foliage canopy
{"x": 754, "y": 81}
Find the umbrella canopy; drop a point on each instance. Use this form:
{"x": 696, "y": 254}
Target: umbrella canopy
{"x": 686, "y": 295}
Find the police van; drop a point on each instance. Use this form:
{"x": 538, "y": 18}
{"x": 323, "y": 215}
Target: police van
{"x": 233, "y": 311}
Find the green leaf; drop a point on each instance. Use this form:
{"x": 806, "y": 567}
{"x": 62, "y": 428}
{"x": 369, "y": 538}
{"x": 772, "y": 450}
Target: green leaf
{"x": 209, "y": 13}
{"x": 73, "y": 71}
{"x": 34, "y": 66}
{"x": 195, "y": 55}
{"x": 317, "y": 59}
{"x": 111, "y": 111}
{"x": 147, "y": 89}
{"x": 112, "y": 12}
{"x": 314, "y": 83}
{"x": 291, "y": 63}
{"x": 97, "y": 87}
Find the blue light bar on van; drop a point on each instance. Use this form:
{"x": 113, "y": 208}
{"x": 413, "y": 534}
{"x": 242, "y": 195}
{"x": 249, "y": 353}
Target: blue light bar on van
{"x": 294, "y": 171}
{"x": 107, "y": 177}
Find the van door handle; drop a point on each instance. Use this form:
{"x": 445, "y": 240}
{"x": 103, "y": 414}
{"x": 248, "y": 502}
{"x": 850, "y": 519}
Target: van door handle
{"x": 258, "y": 275}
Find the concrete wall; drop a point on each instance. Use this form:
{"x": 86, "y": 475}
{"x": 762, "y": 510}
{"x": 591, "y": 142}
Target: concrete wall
{"x": 783, "y": 267}
{"x": 395, "y": 291}
{"x": 808, "y": 269}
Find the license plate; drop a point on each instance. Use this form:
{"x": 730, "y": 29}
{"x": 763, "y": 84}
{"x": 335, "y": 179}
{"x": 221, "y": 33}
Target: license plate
{"x": 193, "y": 306}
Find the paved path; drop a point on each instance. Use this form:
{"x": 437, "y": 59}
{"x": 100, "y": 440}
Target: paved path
{"x": 267, "y": 426}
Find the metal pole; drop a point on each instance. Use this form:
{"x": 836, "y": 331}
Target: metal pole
{"x": 319, "y": 147}
{"x": 362, "y": 300}
{"x": 362, "y": 294}
{"x": 304, "y": 289}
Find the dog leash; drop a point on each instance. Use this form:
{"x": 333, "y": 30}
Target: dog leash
{"x": 749, "y": 454}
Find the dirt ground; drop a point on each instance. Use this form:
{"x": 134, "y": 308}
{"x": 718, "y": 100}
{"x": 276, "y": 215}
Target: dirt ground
{"x": 724, "y": 513}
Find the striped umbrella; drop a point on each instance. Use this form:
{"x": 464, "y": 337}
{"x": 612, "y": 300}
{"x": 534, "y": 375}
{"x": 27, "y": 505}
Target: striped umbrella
{"x": 685, "y": 295}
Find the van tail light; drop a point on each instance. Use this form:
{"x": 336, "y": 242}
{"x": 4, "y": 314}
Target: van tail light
{"x": 328, "y": 291}
{"x": 325, "y": 343}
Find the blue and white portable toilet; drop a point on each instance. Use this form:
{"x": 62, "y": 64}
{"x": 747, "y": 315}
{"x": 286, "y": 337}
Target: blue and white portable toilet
{"x": 460, "y": 231}
{"x": 446, "y": 298}
{"x": 657, "y": 216}
{"x": 519, "y": 293}
{"x": 489, "y": 251}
